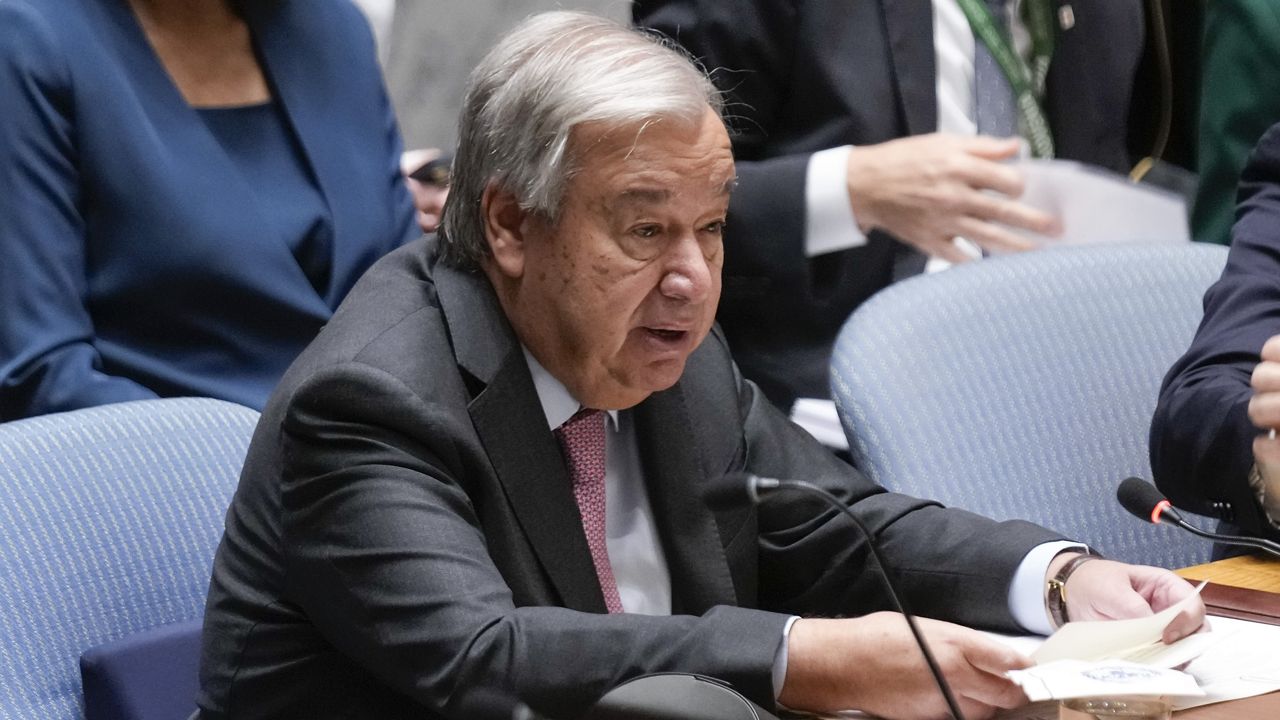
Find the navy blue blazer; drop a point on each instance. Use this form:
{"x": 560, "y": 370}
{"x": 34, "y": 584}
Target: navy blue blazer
{"x": 137, "y": 258}
{"x": 1201, "y": 437}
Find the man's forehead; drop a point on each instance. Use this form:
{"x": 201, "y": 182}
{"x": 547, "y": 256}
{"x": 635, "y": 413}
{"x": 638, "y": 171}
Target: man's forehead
{"x": 652, "y": 195}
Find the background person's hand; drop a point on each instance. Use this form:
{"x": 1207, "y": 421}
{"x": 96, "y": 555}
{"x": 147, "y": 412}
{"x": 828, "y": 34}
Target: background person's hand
{"x": 428, "y": 198}
{"x": 927, "y": 189}
{"x": 873, "y": 664}
{"x": 1108, "y": 590}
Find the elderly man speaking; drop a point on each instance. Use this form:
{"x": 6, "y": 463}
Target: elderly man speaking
{"x": 485, "y": 472}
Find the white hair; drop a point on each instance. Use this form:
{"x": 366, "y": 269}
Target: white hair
{"x": 555, "y": 71}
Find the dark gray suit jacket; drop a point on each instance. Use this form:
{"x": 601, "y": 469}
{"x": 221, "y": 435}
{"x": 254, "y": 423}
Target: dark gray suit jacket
{"x": 807, "y": 75}
{"x": 404, "y": 529}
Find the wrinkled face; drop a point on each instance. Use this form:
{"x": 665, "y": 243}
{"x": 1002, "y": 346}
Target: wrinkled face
{"x": 614, "y": 296}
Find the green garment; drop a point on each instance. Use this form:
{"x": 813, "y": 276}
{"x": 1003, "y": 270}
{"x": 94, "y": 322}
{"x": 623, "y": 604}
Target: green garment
{"x": 1240, "y": 99}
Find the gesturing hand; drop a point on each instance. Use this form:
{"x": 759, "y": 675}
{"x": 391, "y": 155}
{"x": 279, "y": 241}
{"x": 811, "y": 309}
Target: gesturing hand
{"x": 927, "y": 189}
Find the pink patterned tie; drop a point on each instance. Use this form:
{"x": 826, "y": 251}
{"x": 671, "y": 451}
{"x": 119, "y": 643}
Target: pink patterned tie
{"x": 582, "y": 438}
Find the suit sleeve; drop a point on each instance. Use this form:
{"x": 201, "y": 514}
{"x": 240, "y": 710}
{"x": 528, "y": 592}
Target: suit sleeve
{"x": 48, "y": 362}
{"x": 385, "y": 553}
{"x": 949, "y": 564}
{"x": 1239, "y": 100}
{"x": 1201, "y": 437}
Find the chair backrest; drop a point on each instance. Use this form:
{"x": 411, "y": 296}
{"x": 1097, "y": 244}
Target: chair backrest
{"x": 1023, "y": 386}
{"x": 109, "y": 518}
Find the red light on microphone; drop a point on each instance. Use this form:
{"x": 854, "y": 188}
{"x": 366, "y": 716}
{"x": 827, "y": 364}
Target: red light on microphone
{"x": 1158, "y": 509}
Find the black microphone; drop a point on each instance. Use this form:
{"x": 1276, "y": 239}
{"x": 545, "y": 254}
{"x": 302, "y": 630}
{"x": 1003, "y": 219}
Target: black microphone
{"x": 1143, "y": 500}
{"x": 735, "y": 489}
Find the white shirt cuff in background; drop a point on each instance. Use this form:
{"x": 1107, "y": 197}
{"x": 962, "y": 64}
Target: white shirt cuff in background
{"x": 829, "y": 222}
{"x": 1026, "y": 592}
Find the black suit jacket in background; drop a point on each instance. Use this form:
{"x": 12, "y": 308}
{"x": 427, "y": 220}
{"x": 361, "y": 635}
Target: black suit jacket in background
{"x": 807, "y": 75}
{"x": 1201, "y": 437}
{"x": 405, "y": 531}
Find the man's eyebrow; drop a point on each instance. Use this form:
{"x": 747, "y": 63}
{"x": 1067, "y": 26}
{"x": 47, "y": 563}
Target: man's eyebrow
{"x": 642, "y": 195}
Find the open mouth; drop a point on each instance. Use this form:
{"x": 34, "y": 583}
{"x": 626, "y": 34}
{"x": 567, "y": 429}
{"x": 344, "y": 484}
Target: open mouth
{"x": 667, "y": 335}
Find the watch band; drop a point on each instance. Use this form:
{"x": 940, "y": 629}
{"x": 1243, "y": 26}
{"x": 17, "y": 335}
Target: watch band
{"x": 1056, "y": 591}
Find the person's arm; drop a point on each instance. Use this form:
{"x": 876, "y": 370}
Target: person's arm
{"x": 1201, "y": 435}
{"x": 48, "y": 362}
{"x": 1240, "y": 99}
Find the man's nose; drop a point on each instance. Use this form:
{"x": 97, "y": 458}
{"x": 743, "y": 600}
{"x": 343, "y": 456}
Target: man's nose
{"x": 689, "y": 274}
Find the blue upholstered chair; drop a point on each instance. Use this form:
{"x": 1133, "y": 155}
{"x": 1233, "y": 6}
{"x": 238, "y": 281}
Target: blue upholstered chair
{"x": 109, "y": 518}
{"x": 1023, "y": 386}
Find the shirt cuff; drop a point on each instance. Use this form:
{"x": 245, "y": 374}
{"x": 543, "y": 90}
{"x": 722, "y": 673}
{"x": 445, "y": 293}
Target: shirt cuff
{"x": 780, "y": 659}
{"x": 829, "y": 222}
{"x": 1026, "y": 592}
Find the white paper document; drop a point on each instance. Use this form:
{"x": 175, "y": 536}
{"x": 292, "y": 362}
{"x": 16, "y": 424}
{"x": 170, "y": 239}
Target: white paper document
{"x": 1136, "y": 640}
{"x": 1065, "y": 679}
{"x": 1099, "y": 206}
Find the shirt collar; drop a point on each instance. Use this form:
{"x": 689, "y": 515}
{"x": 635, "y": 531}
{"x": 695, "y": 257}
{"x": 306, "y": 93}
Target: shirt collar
{"x": 557, "y": 404}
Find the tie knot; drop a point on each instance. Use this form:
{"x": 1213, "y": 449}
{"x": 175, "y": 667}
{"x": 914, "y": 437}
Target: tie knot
{"x": 585, "y": 417}
{"x": 582, "y": 437}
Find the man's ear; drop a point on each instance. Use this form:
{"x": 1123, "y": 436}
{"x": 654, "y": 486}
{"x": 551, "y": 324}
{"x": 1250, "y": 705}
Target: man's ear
{"x": 504, "y": 229}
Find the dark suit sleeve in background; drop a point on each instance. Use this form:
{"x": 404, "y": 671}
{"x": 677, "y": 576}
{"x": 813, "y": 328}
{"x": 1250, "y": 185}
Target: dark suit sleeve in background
{"x": 1201, "y": 437}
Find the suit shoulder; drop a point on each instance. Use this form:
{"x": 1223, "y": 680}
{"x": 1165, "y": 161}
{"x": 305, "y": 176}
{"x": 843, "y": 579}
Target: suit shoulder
{"x": 391, "y": 320}
{"x": 30, "y": 44}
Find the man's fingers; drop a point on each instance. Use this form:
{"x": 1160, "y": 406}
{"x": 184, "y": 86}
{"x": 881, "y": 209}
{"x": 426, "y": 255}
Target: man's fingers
{"x": 1183, "y": 624}
{"x": 1264, "y": 409}
{"x": 1266, "y": 376}
{"x": 994, "y": 657}
{"x": 983, "y": 677}
{"x": 982, "y": 174}
{"x": 996, "y": 208}
{"x": 1271, "y": 349}
{"x": 1266, "y": 450}
{"x": 991, "y": 148}
{"x": 992, "y": 237}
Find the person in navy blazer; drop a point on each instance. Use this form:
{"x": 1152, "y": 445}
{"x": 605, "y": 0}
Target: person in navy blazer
{"x": 1209, "y": 453}
{"x": 803, "y": 77}
{"x": 155, "y": 243}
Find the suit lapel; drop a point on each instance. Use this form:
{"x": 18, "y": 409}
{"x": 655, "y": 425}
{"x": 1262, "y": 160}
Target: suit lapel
{"x": 510, "y": 423}
{"x": 668, "y": 446}
{"x": 303, "y": 105}
{"x": 909, "y": 27}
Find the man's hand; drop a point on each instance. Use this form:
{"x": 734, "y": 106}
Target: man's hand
{"x": 1107, "y": 590}
{"x": 873, "y": 664}
{"x": 927, "y": 189}
{"x": 1264, "y": 406}
{"x": 428, "y": 199}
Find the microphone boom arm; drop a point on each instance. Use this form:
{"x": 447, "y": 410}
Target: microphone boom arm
{"x": 771, "y": 484}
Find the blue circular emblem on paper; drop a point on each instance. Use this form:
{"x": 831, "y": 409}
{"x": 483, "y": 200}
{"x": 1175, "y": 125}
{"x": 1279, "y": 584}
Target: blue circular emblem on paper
{"x": 1120, "y": 674}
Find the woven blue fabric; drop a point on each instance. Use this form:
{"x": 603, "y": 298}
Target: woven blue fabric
{"x": 1023, "y": 386}
{"x": 109, "y": 518}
